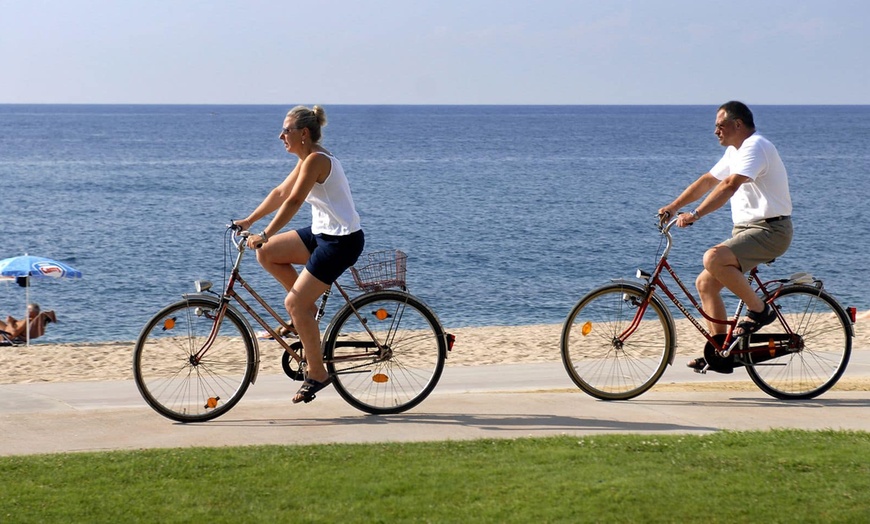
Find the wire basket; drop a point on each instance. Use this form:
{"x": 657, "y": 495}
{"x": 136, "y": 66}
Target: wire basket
{"x": 381, "y": 270}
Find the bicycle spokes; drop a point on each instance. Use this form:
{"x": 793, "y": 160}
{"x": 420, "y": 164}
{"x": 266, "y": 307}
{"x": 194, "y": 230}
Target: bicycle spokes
{"x": 177, "y": 377}
{"x": 614, "y": 344}
{"x": 386, "y": 352}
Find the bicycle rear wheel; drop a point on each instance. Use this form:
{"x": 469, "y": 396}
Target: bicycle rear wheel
{"x": 167, "y": 374}
{"x": 404, "y": 370}
{"x": 815, "y": 358}
{"x": 598, "y": 360}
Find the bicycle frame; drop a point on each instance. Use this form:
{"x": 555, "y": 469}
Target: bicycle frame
{"x": 654, "y": 281}
{"x": 230, "y": 293}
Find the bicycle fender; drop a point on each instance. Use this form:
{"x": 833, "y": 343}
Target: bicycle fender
{"x": 447, "y": 338}
{"x": 347, "y": 306}
{"x": 216, "y": 301}
{"x": 658, "y": 301}
{"x": 844, "y": 315}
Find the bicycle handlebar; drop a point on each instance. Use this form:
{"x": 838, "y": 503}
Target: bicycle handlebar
{"x": 665, "y": 229}
{"x": 239, "y": 235}
{"x": 242, "y": 235}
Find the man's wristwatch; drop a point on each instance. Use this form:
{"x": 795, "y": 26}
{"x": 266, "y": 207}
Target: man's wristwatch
{"x": 264, "y": 235}
{"x": 695, "y": 214}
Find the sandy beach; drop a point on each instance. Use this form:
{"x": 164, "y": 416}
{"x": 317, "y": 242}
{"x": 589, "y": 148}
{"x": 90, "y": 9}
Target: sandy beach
{"x": 474, "y": 346}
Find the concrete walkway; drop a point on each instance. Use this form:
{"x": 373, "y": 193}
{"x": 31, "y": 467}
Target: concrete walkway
{"x": 502, "y": 401}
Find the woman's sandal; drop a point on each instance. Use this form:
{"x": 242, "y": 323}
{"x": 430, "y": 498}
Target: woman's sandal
{"x": 283, "y": 332}
{"x": 756, "y": 320}
{"x": 307, "y": 392}
{"x": 289, "y": 331}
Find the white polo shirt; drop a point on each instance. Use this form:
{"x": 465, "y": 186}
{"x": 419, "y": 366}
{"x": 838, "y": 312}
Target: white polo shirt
{"x": 766, "y": 195}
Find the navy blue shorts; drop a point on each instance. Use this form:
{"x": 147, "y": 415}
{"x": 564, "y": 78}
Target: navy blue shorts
{"x": 331, "y": 255}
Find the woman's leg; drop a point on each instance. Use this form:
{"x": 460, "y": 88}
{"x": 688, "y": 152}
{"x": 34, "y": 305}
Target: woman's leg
{"x": 301, "y": 304}
{"x": 278, "y": 255}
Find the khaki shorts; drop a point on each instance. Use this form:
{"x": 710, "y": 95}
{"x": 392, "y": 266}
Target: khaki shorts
{"x": 760, "y": 242}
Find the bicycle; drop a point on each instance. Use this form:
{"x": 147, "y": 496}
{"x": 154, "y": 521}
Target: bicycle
{"x": 385, "y": 348}
{"x": 618, "y": 339}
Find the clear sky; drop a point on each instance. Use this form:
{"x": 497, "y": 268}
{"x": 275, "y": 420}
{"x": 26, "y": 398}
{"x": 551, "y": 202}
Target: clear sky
{"x": 435, "y": 52}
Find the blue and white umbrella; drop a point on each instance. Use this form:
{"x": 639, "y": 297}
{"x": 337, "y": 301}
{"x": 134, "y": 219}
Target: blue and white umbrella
{"x": 40, "y": 267}
{"x": 23, "y": 268}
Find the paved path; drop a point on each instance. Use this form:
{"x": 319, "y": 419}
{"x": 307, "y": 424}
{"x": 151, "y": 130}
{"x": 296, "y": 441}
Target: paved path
{"x": 502, "y": 401}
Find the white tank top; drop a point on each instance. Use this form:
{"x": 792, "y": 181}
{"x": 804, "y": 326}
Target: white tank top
{"x": 332, "y": 209}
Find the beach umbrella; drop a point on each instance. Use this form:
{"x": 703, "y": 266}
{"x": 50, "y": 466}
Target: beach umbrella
{"x": 23, "y": 268}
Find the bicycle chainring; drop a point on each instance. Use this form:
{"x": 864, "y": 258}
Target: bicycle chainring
{"x": 292, "y": 368}
{"x": 717, "y": 363}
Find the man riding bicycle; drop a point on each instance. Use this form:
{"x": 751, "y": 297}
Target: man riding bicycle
{"x": 750, "y": 175}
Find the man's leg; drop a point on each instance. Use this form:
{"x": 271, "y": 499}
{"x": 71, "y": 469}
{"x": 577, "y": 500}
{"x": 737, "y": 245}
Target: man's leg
{"x": 710, "y": 291}
{"x": 721, "y": 265}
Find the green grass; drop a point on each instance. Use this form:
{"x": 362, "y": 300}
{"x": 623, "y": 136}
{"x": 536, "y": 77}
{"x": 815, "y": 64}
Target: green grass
{"x": 775, "y": 476}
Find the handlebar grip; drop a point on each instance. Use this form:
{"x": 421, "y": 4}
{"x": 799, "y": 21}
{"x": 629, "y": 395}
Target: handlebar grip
{"x": 665, "y": 225}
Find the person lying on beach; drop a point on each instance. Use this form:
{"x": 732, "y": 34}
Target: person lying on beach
{"x": 15, "y": 330}
{"x": 327, "y": 248}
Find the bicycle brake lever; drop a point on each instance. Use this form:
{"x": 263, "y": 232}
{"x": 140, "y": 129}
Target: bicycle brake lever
{"x": 663, "y": 217}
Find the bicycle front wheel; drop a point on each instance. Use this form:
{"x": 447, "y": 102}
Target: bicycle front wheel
{"x": 816, "y": 355}
{"x": 171, "y": 379}
{"x": 395, "y": 367}
{"x": 603, "y": 356}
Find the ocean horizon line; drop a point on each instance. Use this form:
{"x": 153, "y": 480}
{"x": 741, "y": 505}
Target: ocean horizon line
{"x": 186, "y": 104}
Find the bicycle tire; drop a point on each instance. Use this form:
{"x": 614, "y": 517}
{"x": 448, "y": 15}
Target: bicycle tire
{"x": 601, "y": 365}
{"x": 823, "y": 351}
{"x": 163, "y": 367}
{"x": 405, "y": 372}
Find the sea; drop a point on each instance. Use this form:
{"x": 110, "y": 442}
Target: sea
{"x": 508, "y": 214}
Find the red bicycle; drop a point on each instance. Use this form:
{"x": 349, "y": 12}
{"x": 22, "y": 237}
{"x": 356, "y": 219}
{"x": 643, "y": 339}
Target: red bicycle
{"x": 619, "y": 338}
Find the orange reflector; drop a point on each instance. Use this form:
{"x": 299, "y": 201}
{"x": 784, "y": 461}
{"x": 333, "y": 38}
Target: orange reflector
{"x": 587, "y": 328}
{"x": 212, "y": 402}
{"x": 168, "y": 324}
{"x": 380, "y": 378}
{"x": 381, "y": 314}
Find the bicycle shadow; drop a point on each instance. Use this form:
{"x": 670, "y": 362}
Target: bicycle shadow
{"x": 760, "y": 402}
{"x": 502, "y": 423}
